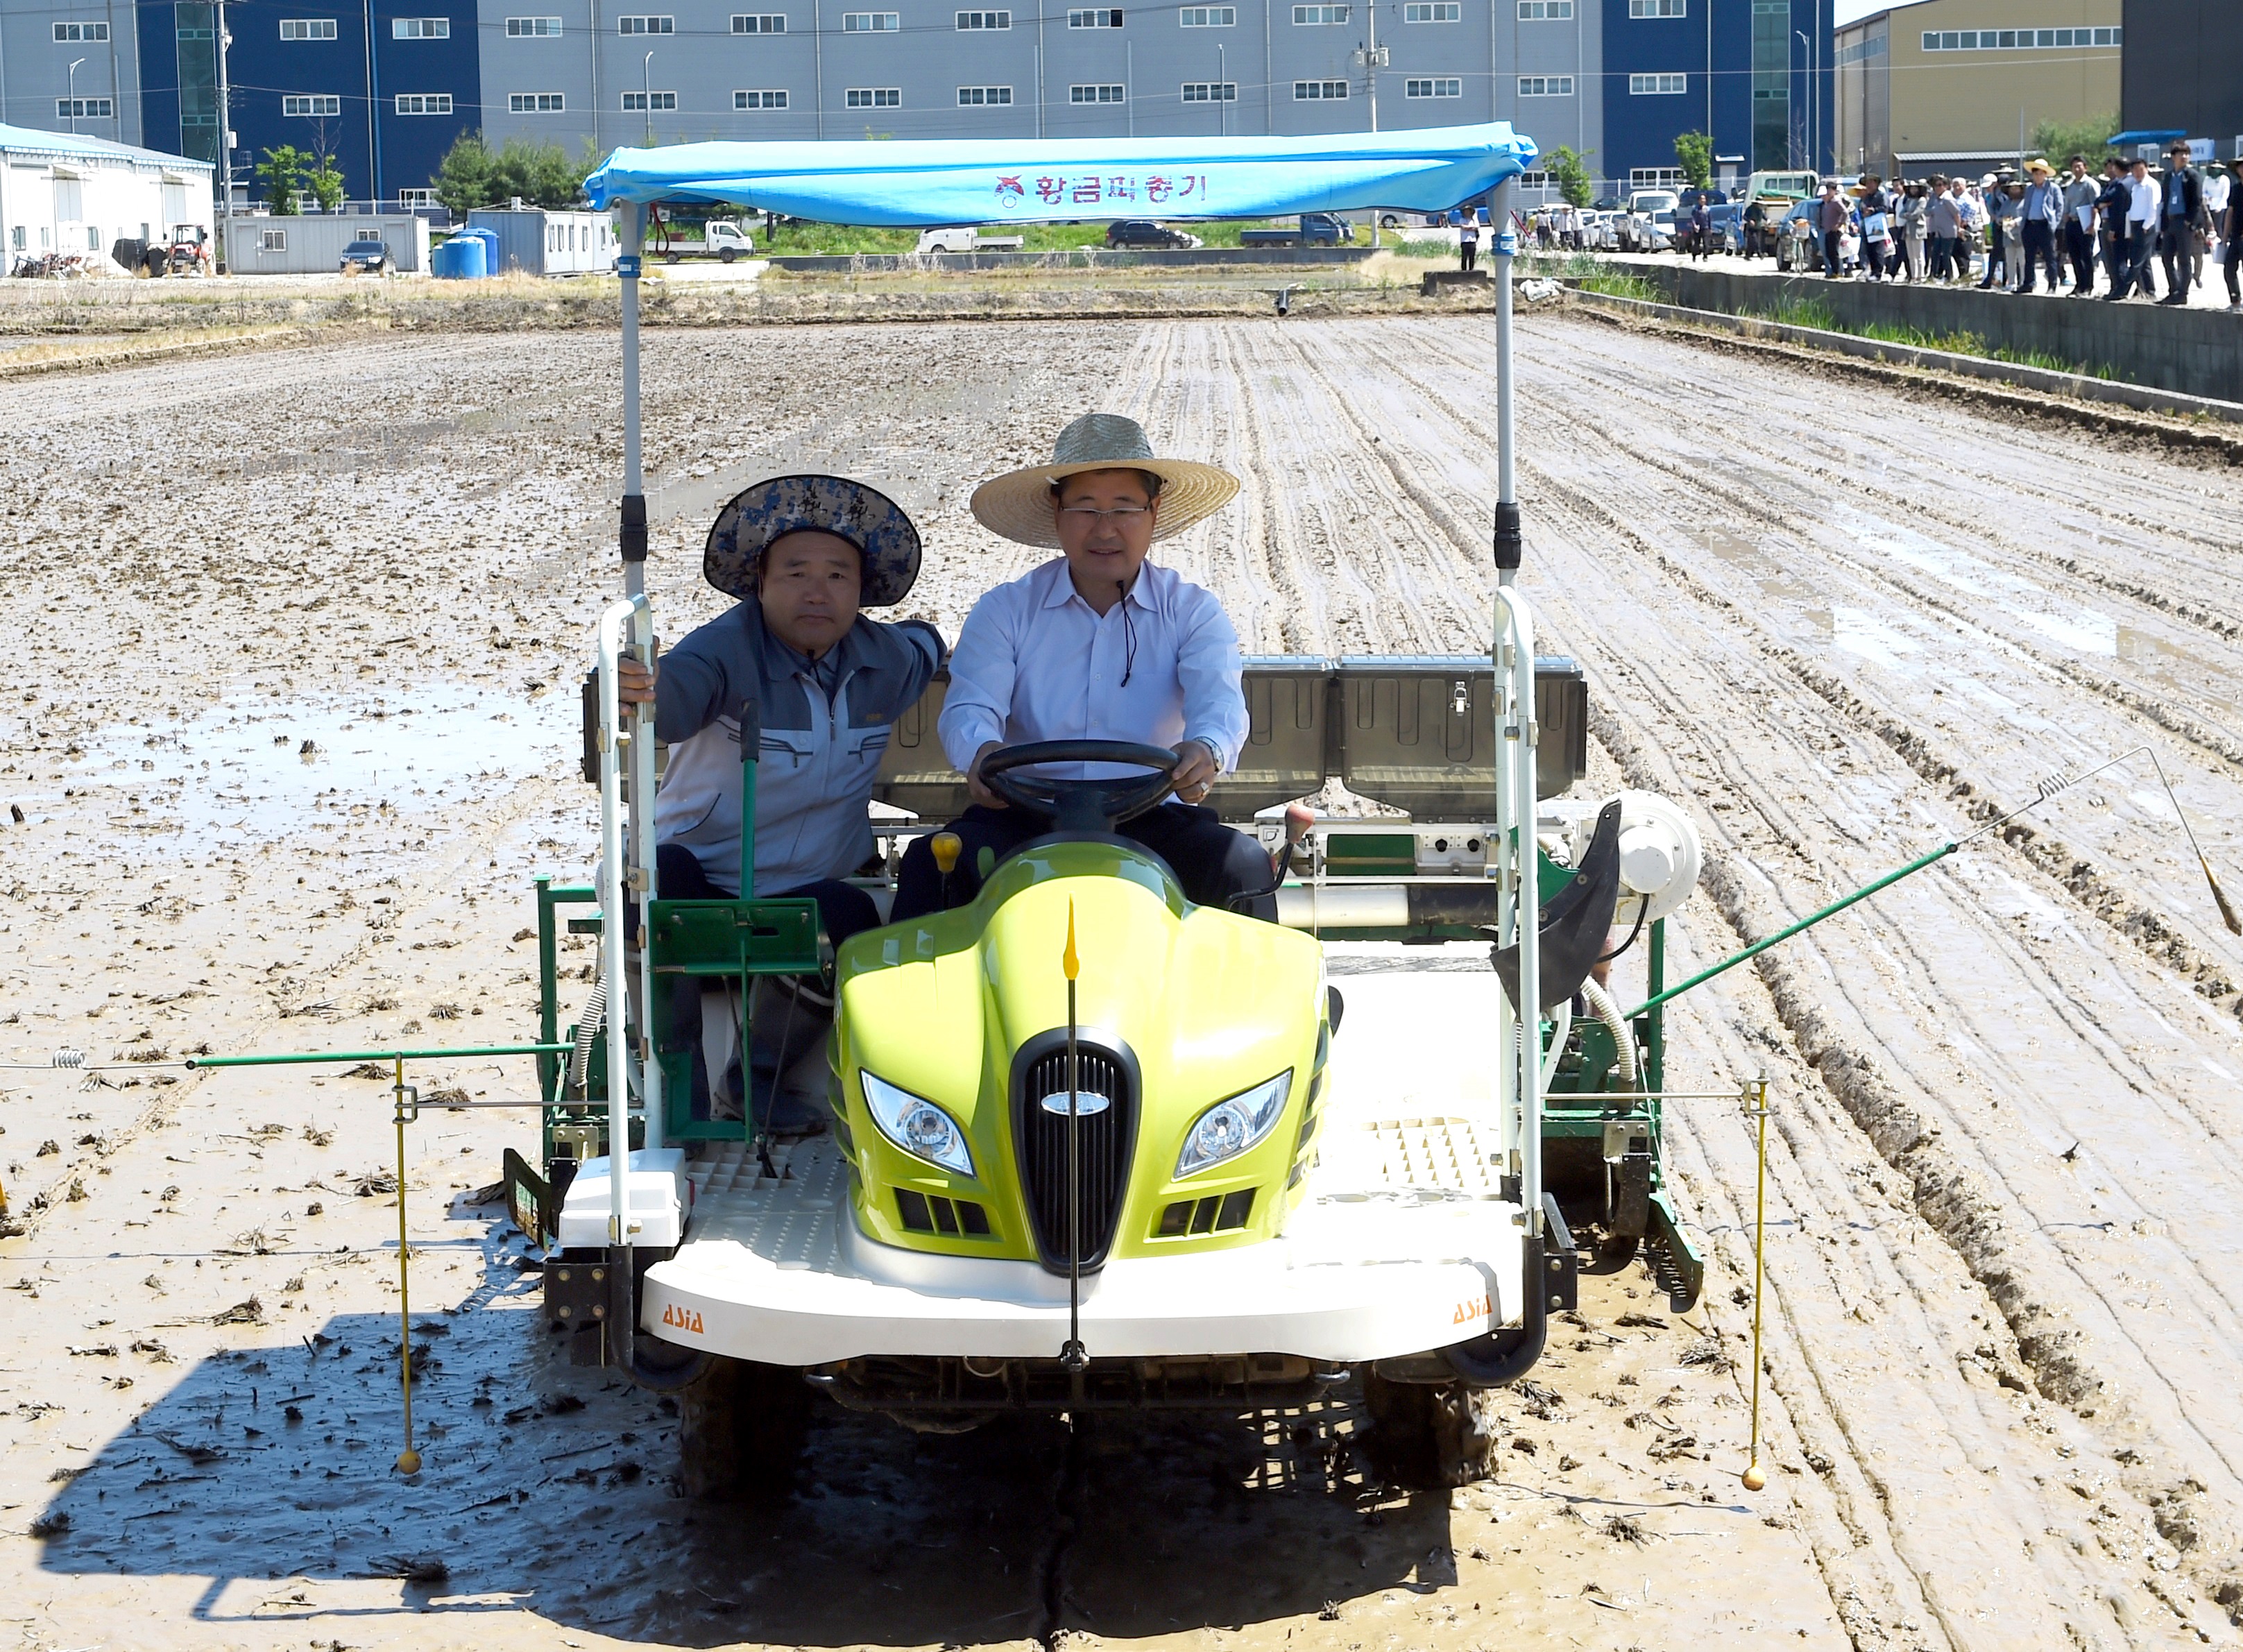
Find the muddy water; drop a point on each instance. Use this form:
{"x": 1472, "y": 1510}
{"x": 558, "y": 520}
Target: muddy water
{"x": 2001, "y": 1341}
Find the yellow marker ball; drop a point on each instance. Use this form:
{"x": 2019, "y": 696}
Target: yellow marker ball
{"x": 1754, "y": 1479}
{"x": 408, "y": 1462}
{"x": 946, "y": 847}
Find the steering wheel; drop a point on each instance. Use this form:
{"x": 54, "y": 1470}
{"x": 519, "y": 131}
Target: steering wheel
{"x": 1080, "y": 806}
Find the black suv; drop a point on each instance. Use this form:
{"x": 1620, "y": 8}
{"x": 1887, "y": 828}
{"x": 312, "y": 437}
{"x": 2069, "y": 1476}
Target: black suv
{"x": 366, "y": 253}
{"x": 1143, "y": 232}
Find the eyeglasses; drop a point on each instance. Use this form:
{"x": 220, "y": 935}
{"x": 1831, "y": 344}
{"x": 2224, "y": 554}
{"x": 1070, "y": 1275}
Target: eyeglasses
{"x": 1120, "y": 515}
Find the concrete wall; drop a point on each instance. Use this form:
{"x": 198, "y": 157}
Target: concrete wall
{"x": 2195, "y": 352}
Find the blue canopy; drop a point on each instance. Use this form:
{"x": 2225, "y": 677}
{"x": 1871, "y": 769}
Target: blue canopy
{"x": 992, "y": 180}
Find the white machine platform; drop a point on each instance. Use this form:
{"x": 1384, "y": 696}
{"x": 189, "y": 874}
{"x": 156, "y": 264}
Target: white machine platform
{"x": 1402, "y": 1244}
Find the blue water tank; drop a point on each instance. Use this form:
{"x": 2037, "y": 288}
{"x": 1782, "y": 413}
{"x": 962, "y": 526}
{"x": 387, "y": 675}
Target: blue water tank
{"x": 492, "y": 263}
{"x": 463, "y": 257}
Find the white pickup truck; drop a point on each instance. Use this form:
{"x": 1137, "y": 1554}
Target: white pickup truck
{"x": 726, "y": 240}
{"x": 966, "y": 239}
{"x": 721, "y": 239}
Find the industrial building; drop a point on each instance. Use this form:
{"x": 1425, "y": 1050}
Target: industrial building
{"x": 2185, "y": 71}
{"x": 64, "y": 193}
{"x": 1614, "y": 79}
{"x": 382, "y": 88}
{"x": 1958, "y": 85}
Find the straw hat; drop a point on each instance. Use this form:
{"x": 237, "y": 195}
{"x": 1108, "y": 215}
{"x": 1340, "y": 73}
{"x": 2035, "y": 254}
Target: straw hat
{"x": 2038, "y": 166}
{"x": 1019, "y": 503}
{"x": 732, "y": 559}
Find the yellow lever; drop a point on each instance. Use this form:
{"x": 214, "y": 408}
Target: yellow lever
{"x": 946, "y": 847}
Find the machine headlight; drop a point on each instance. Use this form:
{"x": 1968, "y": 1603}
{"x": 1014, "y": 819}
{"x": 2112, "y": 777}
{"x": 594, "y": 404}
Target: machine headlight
{"x": 917, "y": 1125}
{"x": 1233, "y": 1125}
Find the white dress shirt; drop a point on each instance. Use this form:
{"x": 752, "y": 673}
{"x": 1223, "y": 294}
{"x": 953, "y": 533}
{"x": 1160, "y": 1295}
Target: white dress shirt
{"x": 2148, "y": 197}
{"x": 1036, "y": 662}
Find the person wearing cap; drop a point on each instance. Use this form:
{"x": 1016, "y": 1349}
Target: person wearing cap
{"x": 1098, "y": 644}
{"x": 2180, "y": 218}
{"x": 2040, "y": 214}
{"x": 796, "y": 660}
{"x": 804, "y": 556}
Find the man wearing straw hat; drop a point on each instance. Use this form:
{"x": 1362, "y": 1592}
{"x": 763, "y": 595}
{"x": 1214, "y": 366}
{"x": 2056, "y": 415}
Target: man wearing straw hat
{"x": 1098, "y": 644}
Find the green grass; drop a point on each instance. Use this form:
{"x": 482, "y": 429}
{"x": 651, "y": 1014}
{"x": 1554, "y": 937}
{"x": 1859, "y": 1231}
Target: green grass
{"x": 1619, "y": 285}
{"x": 1815, "y": 313}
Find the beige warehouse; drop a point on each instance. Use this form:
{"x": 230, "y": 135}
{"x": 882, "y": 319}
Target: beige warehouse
{"x": 1948, "y": 86}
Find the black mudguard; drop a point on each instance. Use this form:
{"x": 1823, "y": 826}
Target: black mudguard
{"x": 1575, "y": 921}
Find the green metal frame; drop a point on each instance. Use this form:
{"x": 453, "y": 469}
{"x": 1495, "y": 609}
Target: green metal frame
{"x": 698, "y": 941}
{"x": 1588, "y": 1069}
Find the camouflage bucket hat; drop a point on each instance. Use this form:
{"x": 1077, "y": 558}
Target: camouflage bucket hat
{"x": 732, "y": 559}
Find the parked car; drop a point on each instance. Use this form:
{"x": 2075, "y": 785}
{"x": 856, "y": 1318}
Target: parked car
{"x": 366, "y": 255}
{"x": 1726, "y": 228}
{"x": 1144, "y": 232}
{"x": 1798, "y": 243}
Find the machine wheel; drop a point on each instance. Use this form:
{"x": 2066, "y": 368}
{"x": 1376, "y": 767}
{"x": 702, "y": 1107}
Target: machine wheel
{"x": 740, "y": 1431}
{"x": 728, "y": 255}
{"x": 1425, "y": 1436}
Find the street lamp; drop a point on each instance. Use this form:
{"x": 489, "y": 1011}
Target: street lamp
{"x": 73, "y": 94}
{"x": 646, "y": 86}
{"x": 1814, "y": 162}
{"x": 1222, "y": 85}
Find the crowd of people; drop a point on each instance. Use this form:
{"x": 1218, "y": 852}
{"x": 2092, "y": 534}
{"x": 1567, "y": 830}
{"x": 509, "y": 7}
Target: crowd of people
{"x": 2045, "y": 231}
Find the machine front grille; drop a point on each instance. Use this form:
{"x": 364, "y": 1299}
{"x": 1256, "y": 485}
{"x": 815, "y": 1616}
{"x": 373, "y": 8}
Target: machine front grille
{"x": 1108, "y": 1132}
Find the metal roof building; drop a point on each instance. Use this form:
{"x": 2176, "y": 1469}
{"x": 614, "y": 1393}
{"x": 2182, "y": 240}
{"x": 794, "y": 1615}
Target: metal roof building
{"x": 65, "y": 193}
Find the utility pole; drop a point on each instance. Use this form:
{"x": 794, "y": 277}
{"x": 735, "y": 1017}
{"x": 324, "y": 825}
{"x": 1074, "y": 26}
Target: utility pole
{"x": 1373, "y": 57}
{"x": 1130, "y": 83}
{"x": 220, "y": 40}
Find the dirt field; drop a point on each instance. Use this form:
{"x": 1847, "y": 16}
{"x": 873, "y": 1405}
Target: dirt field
{"x": 292, "y": 726}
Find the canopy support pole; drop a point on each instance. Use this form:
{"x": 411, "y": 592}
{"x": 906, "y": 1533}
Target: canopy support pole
{"x": 1509, "y": 542}
{"x": 632, "y": 538}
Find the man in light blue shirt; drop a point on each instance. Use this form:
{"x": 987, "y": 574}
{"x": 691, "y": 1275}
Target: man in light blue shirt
{"x": 1098, "y": 645}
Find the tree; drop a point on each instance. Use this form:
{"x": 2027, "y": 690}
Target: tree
{"x": 1570, "y": 173}
{"x": 2060, "y": 140}
{"x": 281, "y": 174}
{"x": 325, "y": 184}
{"x": 540, "y": 173}
{"x": 1694, "y": 150}
{"x": 463, "y": 177}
